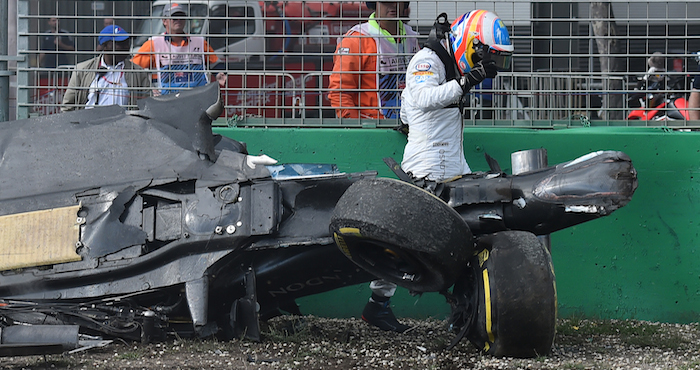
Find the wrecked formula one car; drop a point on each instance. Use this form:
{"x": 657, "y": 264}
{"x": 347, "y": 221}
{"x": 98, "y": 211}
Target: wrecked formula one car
{"x": 137, "y": 224}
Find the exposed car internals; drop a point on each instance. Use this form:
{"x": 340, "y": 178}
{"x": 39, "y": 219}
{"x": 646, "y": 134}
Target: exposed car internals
{"x": 139, "y": 224}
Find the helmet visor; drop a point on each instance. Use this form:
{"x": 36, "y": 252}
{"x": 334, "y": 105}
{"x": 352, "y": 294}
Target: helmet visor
{"x": 500, "y": 58}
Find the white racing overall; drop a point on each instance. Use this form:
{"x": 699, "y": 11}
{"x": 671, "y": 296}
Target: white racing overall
{"x": 436, "y": 133}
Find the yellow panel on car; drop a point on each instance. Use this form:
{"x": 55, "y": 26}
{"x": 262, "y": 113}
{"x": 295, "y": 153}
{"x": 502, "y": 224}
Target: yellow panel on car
{"x": 39, "y": 238}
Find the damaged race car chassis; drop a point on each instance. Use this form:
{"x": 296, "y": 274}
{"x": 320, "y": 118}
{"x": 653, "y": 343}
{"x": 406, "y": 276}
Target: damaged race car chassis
{"x": 178, "y": 230}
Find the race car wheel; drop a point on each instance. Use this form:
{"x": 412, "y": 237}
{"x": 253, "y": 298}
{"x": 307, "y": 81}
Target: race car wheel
{"x": 516, "y": 300}
{"x": 402, "y": 233}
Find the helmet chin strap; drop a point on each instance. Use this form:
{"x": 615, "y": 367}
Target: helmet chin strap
{"x": 451, "y": 50}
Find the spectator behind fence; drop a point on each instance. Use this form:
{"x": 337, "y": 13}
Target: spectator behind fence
{"x": 369, "y": 64}
{"x": 54, "y": 44}
{"x": 369, "y": 69}
{"x": 694, "y": 99}
{"x": 110, "y": 78}
{"x": 181, "y": 61}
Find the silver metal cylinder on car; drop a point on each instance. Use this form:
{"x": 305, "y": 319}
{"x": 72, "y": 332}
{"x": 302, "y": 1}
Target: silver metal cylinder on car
{"x": 526, "y": 161}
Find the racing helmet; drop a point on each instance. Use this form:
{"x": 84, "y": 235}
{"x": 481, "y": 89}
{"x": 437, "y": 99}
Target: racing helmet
{"x": 480, "y": 35}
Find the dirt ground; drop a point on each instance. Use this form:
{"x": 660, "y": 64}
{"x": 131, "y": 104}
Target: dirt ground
{"x": 322, "y": 343}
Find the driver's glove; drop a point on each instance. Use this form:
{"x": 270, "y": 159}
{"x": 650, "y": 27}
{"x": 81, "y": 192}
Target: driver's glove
{"x": 478, "y": 73}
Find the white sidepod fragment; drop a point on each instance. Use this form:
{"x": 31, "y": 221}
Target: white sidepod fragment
{"x": 263, "y": 159}
{"x": 582, "y": 209}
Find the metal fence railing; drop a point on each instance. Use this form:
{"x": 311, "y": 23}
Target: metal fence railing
{"x": 49, "y": 89}
{"x": 278, "y": 56}
{"x": 261, "y": 94}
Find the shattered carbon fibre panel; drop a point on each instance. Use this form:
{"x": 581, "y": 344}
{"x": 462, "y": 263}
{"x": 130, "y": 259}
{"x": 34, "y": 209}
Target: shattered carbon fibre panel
{"x": 108, "y": 148}
{"x": 22, "y": 246}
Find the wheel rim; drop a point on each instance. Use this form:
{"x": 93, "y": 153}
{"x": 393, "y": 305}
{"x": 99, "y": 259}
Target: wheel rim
{"x": 389, "y": 260}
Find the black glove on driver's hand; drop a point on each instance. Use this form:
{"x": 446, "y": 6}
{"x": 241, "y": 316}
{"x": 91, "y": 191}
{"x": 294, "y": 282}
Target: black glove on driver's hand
{"x": 478, "y": 73}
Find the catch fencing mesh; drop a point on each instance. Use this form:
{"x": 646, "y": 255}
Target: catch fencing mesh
{"x": 574, "y": 62}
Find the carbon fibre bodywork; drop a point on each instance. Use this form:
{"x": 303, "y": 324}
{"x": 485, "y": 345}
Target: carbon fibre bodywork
{"x": 167, "y": 210}
{"x": 164, "y": 226}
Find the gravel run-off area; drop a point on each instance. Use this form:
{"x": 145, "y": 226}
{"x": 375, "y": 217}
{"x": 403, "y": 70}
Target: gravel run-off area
{"x": 321, "y": 343}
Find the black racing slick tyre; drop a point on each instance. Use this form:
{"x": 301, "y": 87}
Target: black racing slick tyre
{"x": 516, "y": 296}
{"x": 402, "y": 233}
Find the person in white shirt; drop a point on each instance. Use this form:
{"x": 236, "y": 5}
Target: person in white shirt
{"x": 110, "y": 78}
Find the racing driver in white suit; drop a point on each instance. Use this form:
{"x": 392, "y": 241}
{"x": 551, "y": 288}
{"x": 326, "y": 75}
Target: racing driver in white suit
{"x": 455, "y": 59}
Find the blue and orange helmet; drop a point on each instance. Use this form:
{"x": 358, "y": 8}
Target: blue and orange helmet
{"x": 480, "y": 35}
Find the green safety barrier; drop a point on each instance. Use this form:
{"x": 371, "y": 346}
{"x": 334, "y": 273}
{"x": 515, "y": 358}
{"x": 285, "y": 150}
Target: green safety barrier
{"x": 642, "y": 262}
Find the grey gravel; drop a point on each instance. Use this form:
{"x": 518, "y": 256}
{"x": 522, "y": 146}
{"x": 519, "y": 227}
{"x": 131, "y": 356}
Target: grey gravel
{"x": 321, "y": 343}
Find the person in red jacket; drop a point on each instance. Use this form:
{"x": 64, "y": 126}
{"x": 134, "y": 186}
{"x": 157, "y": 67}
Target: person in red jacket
{"x": 369, "y": 72}
{"x": 370, "y": 62}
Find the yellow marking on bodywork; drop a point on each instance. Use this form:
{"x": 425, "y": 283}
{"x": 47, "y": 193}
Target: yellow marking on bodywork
{"x": 487, "y": 305}
{"x": 350, "y": 231}
{"x": 341, "y": 244}
{"x": 39, "y": 238}
{"x": 483, "y": 256}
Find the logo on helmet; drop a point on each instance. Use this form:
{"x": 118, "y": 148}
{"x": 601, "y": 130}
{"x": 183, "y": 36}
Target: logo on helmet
{"x": 476, "y": 31}
{"x": 500, "y": 33}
